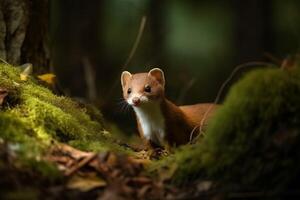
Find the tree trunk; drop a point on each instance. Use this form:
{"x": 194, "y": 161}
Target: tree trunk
{"x": 24, "y": 33}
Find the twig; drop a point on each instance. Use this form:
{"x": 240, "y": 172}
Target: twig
{"x": 83, "y": 162}
{"x": 136, "y": 43}
{"x": 236, "y": 69}
{"x": 4, "y": 61}
{"x": 192, "y": 134}
{"x": 131, "y": 54}
{"x": 272, "y": 58}
{"x": 185, "y": 90}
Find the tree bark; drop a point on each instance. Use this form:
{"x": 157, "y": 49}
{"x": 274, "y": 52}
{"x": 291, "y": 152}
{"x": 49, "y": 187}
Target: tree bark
{"x": 24, "y": 33}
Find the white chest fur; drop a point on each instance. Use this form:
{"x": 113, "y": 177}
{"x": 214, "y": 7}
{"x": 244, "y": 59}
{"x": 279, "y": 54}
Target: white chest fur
{"x": 152, "y": 122}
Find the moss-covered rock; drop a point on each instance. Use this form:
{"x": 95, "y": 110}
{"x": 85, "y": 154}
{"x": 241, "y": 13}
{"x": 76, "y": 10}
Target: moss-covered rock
{"x": 32, "y": 118}
{"x": 254, "y": 138}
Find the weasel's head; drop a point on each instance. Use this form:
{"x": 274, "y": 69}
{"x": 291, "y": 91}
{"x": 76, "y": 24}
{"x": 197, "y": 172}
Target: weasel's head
{"x": 143, "y": 88}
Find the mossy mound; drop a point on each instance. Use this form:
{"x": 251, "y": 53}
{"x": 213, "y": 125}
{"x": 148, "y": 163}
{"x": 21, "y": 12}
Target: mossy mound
{"x": 32, "y": 117}
{"x": 253, "y": 141}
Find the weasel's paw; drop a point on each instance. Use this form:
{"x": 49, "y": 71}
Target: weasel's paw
{"x": 158, "y": 153}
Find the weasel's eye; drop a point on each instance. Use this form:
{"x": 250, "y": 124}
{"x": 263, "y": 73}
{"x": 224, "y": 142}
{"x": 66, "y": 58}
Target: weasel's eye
{"x": 129, "y": 91}
{"x": 147, "y": 88}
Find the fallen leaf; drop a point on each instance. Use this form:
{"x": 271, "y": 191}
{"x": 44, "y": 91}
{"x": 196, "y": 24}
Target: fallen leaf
{"x": 140, "y": 180}
{"x": 71, "y": 151}
{"x": 85, "y": 184}
{"x": 143, "y": 191}
{"x": 3, "y": 94}
{"x": 204, "y": 186}
{"x": 112, "y": 160}
{"x": 59, "y": 159}
{"x": 80, "y": 164}
{"x": 26, "y": 72}
{"x": 139, "y": 161}
{"x": 48, "y": 78}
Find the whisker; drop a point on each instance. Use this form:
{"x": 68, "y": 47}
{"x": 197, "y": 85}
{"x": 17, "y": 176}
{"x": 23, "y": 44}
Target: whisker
{"x": 123, "y": 106}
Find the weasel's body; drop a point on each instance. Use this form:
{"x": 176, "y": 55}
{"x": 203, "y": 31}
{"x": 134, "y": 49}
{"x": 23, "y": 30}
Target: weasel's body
{"x": 159, "y": 120}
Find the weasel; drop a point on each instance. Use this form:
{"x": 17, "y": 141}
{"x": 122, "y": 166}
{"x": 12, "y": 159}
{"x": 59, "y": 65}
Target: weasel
{"x": 159, "y": 120}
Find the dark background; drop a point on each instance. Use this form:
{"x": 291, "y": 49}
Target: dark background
{"x": 196, "y": 43}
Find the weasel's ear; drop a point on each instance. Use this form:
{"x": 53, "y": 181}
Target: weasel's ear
{"x": 158, "y": 74}
{"x": 125, "y": 77}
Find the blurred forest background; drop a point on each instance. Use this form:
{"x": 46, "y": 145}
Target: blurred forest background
{"x": 196, "y": 43}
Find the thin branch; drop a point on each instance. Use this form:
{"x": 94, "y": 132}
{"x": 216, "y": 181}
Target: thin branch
{"x": 236, "y": 69}
{"x": 136, "y": 43}
{"x": 185, "y": 89}
{"x": 272, "y": 58}
{"x": 83, "y": 162}
{"x": 131, "y": 54}
{"x": 2, "y": 60}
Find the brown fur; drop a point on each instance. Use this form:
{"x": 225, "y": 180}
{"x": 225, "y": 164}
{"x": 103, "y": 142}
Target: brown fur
{"x": 180, "y": 121}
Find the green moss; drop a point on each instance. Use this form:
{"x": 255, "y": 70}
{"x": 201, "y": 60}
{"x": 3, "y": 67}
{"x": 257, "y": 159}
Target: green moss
{"x": 9, "y": 76}
{"x": 254, "y": 137}
{"x": 43, "y": 169}
{"x": 33, "y": 117}
{"x": 46, "y": 114}
{"x": 59, "y": 116}
{"x": 97, "y": 146}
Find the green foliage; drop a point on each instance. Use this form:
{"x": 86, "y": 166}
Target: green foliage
{"x": 254, "y": 138}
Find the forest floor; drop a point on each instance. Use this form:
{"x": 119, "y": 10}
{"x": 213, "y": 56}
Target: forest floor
{"x": 52, "y": 147}
{"x": 91, "y": 175}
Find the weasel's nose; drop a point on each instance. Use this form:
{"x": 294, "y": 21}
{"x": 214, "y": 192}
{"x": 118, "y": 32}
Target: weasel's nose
{"x": 136, "y": 101}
